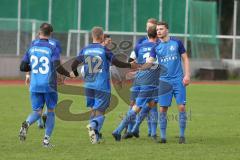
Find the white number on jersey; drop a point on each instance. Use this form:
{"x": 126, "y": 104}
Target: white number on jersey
{"x": 44, "y": 68}
{"x": 96, "y": 69}
{"x": 145, "y": 56}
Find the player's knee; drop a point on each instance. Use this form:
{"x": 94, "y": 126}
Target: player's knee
{"x": 39, "y": 111}
{"x": 136, "y": 109}
{"x": 132, "y": 103}
{"x": 163, "y": 109}
{"x": 152, "y": 104}
{"x": 50, "y": 110}
{"x": 181, "y": 108}
{"x": 99, "y": 112}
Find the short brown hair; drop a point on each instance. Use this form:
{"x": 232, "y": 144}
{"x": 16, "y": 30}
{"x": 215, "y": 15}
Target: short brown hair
{"x": 152, "y": 20}
{"x": 97, "y": 33}
{"x": 107, "y": 36}
{"x": 163, "y": 23}
{"x": 46, "y": 29}
{"x": 152, "y": 32}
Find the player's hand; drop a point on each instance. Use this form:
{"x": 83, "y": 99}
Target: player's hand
{"x": 134, "y": 65}
{"x": 130, "y": 75}
{"x": 186, "y": 80}
{"x": 27, "y": 79}
{"x": 72, "y": 75}
{"x": 60, "y": 79}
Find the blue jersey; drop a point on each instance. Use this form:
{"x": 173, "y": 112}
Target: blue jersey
{"x": 40, "y": 57}
{"x": 141, "y": 40}
{"x": 150, "y": 76}
{"x": 96, "y": 59}
{"x": 53, "y": 42}
{"x": 168, "y": 55}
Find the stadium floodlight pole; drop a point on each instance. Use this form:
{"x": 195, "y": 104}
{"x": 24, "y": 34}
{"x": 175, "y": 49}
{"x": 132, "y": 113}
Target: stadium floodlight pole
{"x": 79, "y": 25}
{"x": 50, "y": 11}
{"x": 19, "y": 27}
{"x": 186, "y": 23}
{"x": 134, "y": 21}
{"x": 160, "y": 10}
{"x": 107, "y": 16}
{"x": 234, "y": 29}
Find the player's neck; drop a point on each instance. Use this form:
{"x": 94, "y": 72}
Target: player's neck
{"x": 165, "y": 39}
{"x": 43, "y": 37}
{"x": 96, "y": 41}
{"x": 152, "y": 39}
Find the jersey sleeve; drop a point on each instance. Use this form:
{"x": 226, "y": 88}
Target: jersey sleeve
{"x": 153, "y": 53}
{"x": 80, "y": 56}
{"x": 134, "y": 53}
{"x": 56, "y": 55}
{"x": 140, "y": 40}
{"x": 109, "y": 54}
{"x": 181, "y": 48}
{"x": 59, "y": 47}
{"x": 26, "y": 57}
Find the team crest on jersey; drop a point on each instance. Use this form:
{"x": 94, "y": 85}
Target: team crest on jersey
{"x": 172, "y": 48}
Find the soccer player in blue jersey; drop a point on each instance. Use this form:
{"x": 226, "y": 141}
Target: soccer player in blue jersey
{"x": 153, "y": 115}
{"x": 42, "y": 60}
{"x": 170, "y": 53}
{"x": 96, "y": 60}
{"x": 145, "y": 85}
{"x": 54, "y": 42}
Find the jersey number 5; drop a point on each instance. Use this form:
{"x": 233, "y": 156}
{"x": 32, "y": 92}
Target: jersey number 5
{"x": 44, "y": 68}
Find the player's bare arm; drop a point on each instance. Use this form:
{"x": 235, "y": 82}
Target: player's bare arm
{"x": 186, "y": 78}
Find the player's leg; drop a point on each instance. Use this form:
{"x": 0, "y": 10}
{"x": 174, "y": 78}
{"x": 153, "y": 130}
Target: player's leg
{"x": 154, "y": 114}
{"x": 51, "y": 102}
{"x": 101, "y": 103}
{"x": 37, "y": 101}
{"x": 40, "y": 123}
{"x": 127, "y": 133}
{"x": 154, "y": 119}
{"x": 134, "y": 93}
{"x": 145, "y": 108}
{"x": 130, "y": 114}
{"x": 149, "y": 125}
{"x": 165, "y": 102}
{"x": 89, "y": 93}
{"x": 180, "y": 96}
{"x": 143, "y": 101}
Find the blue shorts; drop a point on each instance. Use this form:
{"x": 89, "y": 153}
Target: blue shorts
{"x": 97, "y": 100}
{"x": 168, "y": 89}
{"x": 38, "y": 100}
{"x": 146, "y": 95}
{"x": 134, "y": 92}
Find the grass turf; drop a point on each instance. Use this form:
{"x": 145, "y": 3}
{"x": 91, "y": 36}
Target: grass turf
{"x": 212, "y": 132}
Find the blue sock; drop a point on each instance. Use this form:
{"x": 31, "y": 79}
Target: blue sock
{"x": 50, "y": 122}
{"x": 142, "y": 114}
{"x": 149, "y": 124}
{"x": 182, "y": 123}
{"x": 33, "y": 117}
{"x": 40, "y": 122}
{"x": 131, "y": 123}
{"x": 154, "y": 119}
{"x": 163, "y": 124}
{"x": 125, "y": 121}
{"x": 100, "y": 119}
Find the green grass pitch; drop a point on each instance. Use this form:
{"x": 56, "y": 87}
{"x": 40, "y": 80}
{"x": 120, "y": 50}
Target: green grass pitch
{"x": 213, "y": 130}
